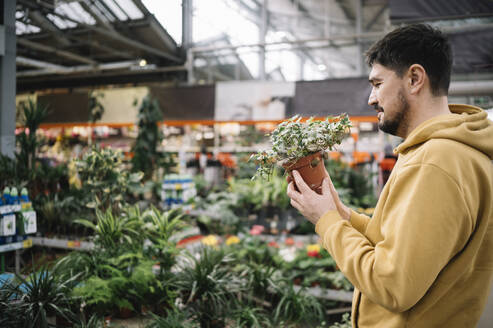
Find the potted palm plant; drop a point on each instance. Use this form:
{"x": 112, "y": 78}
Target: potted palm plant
{"x": 298, "y": 145}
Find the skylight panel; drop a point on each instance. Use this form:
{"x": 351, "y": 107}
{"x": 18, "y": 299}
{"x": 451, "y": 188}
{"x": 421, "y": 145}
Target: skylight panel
{"x": 82, "y": 15}
{"x": 64, "y": 10}
{"x": 102, "y": 9}
{"x": 116, "y": 10}
{"x": 59, "y": 22}
{"x": 22, "y": 28}
{"x": 131, "y": 9}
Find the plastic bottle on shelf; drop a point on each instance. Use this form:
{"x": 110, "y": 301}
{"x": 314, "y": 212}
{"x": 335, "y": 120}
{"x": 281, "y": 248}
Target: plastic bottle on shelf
{"x": 25, "y": 202}
{"x": 8, "y": 217}
{"x": 6, "y": 196}
{"x": 24, "y": 196}
{"x": 14, "y": 196}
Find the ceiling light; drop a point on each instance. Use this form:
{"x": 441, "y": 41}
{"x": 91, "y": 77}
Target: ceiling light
{"x": 321, "y": 67}
{"x": 142, "y": 62}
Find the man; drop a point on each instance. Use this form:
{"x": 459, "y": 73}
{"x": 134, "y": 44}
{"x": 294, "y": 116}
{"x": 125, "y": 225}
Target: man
{"x": 425, "y": 258}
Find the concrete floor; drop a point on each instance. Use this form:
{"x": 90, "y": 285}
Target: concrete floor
{"x": 486, "y": 320}
{"x": 136, "y": 322}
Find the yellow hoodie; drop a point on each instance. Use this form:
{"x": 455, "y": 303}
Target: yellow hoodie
{"x": 425, "y": 259}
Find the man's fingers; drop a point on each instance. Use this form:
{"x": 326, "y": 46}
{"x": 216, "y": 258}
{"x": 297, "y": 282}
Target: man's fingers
{"x": 300, "y": 183}
{"x": 292, "y": 192}
{"x": 295, "y": 204}
{"x": 331, "y": 187}
{"x": 326, "y": 187}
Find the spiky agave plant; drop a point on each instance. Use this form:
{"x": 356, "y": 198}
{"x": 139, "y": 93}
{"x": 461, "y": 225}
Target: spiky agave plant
{"x": 207, "y": 285}
{"x": 41, "y": 295}
{"x": 251, "y": 317}
{"x": 173, "y": 319}
{"x": 295, "y": 306}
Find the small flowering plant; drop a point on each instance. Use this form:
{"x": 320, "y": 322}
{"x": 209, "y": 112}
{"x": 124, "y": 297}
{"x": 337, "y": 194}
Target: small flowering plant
{"x": 294, "y": 139}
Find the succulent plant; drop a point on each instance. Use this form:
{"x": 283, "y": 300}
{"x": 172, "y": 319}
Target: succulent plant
{"x": 294, "y": 139}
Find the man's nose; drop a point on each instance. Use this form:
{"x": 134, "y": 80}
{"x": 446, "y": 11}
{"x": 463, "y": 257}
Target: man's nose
{"x": 372, "y": 100}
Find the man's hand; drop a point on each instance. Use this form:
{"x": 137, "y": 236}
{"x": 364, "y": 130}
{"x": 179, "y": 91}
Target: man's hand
{"x": 311, "y": 204}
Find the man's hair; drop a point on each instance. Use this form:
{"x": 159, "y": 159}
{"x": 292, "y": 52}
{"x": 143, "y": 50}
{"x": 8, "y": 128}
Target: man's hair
{"x": 415, "y": 44}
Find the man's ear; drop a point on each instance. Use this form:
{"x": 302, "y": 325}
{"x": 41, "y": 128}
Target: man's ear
{"x": 417, "y": 78}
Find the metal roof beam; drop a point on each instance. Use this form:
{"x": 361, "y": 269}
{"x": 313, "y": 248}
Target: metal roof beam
{"x": 95, "y": 15}
{"x": 57, "y": 69}
{"x": 49, "y": 49}
{"x": 122, "y": 10}
{"x": 303, "y": 51}
{"x": 37, "y": 63}
{"x": 110, "y": 12}
{"x": 125, "y": 40}
{"x": 47, "y": 25}
{"x": 113, "y": 34}
{"x": 376, "y": 17}
{"x": 344, "y": 8}
{"x": 163, "y": 34}
{"x": 141, "y": 7}
{"x": 109, "y": 50}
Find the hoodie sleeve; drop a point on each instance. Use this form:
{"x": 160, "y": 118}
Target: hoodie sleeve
{"x": 359, "y": 221}
{"x": 425, "y": 223}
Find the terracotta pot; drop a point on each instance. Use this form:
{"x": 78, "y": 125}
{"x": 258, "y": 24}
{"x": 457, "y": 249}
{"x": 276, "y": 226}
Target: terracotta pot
{"x": 107, "y": 321}
{"x": 125, "y": 313}
{"x": 311, "y": 169}
{"x": 62, "y": 322}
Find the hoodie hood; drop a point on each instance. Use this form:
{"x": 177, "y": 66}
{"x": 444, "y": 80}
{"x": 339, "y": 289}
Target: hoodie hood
{"x": 466, "y": 124}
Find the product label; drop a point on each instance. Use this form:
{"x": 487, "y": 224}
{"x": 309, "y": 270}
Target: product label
{"x": 30, "y": 224}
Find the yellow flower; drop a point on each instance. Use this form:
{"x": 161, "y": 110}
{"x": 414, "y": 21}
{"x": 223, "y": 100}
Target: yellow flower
{"x": 232, "y": 240}
{"x": 210, "y": 240}
{"x": 313, "y": 248}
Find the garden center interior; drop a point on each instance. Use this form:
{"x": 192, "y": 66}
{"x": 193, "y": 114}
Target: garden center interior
{"x": 127, "y": 131}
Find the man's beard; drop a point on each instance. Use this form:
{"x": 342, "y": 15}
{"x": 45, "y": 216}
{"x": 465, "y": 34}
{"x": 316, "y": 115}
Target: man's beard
{"x": 391, "y": 125}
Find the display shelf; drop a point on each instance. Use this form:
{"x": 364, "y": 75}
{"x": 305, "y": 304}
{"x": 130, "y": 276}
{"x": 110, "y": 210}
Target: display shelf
{"x": 339, "y": 310}
{"x": 10, "y": 208}
{"x": 328, "y": 294}
{"x": 177, "y": 236}
{"x": 63, "y": 243}
{"x": 17, "y": 245}
{"x": 305, "y": 239}
{"x": 224, "y": 149}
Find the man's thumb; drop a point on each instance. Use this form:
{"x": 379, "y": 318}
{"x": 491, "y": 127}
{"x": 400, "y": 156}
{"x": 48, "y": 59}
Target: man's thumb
{"x": 325, "y": 186}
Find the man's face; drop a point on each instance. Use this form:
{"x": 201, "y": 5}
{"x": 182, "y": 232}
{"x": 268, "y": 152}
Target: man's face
{"x": 389, "y": 100}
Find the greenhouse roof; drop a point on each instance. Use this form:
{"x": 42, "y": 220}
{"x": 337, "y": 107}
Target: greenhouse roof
{"x": 88, "y": 39}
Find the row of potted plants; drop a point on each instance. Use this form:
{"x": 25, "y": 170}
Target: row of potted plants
{"x": 135, "y": 267}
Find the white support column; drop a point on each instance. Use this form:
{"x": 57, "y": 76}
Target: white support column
{"x": 262, "y": 33}
{"x": 327, "y": 18}
{"x": 302, "y": 66}
{"x": 359, "y": 30}
{"x": 187, "y": 36}
{"x": 189, "y": 64}
{"x": 8, "y": 79}
{"x": 186, "y": 24}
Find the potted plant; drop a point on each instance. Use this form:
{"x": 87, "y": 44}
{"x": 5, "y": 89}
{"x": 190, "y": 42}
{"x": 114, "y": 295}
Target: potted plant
{"x": 298, "y": 145}
{"x": 37, "y": 300}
